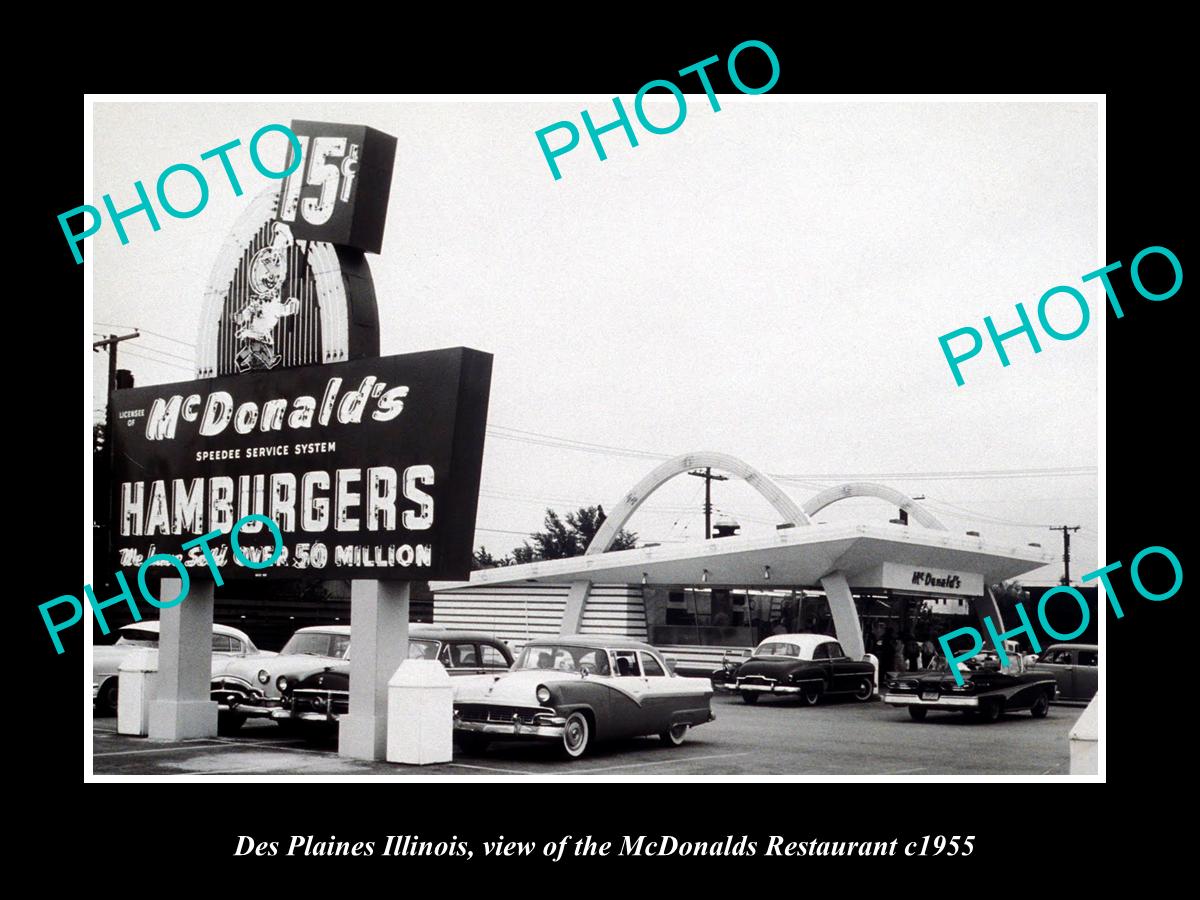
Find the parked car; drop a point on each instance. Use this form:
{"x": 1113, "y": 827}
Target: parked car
{"x": 252, "y": 688}
{"x": 322, "y": 698}
{"x": 1074, "y": 667}
{"x": 228, "y": 644}
{"x": 985, "y": 691}
{"x": 808, "y": 666}
{"x": 574, "y": 690}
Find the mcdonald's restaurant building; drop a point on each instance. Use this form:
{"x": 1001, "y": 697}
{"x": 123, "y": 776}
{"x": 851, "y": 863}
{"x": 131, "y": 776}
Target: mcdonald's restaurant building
{"x": 859, "y": 582}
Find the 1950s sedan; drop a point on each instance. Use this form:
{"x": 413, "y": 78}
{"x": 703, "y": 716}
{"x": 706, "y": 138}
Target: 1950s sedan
{"x": 320, "y": 700}
{"x": 985, "y": 691}
{"x": 575, "y": 690}
{"x": 808, "y": 666}
{"x": 229, "y": 647}
{"x": 252, "y": 688}
{"x": 1074, "y": 666}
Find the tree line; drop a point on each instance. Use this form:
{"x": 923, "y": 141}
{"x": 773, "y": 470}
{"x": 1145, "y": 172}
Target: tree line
{"x": 561, "y": 537}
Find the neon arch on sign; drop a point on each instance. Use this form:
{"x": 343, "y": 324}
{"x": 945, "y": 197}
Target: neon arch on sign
{"x": 338, "y": 318}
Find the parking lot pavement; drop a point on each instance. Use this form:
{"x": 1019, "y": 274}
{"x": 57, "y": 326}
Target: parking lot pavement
{"x": 774, "y": 737}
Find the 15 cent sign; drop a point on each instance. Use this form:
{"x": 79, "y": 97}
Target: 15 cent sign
{"x": 369, "y": 468}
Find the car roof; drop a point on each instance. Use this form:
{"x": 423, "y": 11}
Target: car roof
{"x": 1070, "y": 646}
{"x": 594, "y": 641}
{"x": 324, "y": 629}
{"x": 153, "y": 626}
{"x": 805, "y": 641}
{"x": 441, "y": 633}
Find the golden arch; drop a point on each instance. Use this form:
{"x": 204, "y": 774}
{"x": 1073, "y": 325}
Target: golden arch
{"x": 790, "y": 513}
{"x": 869, "y": 489}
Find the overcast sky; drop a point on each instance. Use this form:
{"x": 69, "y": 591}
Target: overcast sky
{"x": 768, "y": 281}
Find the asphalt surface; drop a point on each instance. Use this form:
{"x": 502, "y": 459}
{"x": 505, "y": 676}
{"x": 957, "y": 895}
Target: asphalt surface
{"x": 774, "y": 737}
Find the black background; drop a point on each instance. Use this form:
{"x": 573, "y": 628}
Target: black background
{"x": 1031, "y": 836}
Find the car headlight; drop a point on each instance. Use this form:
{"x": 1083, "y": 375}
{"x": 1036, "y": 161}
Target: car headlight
{"x": 282, "y": 683}
{"x": 543, "y": 694}
{"x": 263, "y": 676}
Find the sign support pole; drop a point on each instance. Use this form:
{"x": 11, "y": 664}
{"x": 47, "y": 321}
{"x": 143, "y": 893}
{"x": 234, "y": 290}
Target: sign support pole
{"x": 182, "y": 708}
{"x": 378, "y": 644}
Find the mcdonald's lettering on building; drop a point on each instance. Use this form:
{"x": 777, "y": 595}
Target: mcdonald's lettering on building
{"x": 370, "y": 468}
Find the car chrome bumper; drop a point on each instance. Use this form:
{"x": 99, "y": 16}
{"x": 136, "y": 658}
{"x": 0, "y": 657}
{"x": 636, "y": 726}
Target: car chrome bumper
{"x": 287, "y": 715}
{"x": 95, "y": 690}
{"x": 545, "y": 727}
{"x": 262, "y": 710}
{"x": 775, "y": 688}
{"x": 915, "y": 700}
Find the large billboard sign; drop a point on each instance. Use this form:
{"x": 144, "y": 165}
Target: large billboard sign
{"x": 369, "y": 468}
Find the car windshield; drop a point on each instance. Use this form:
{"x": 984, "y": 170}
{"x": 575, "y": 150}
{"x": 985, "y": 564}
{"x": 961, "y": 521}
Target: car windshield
{"x": 564, "y": 658}
{"x": 422, "y": 649}
{"x": 131, "y": 637}
{"x": 317, "y": 643}
{"x": 778, "y": 649}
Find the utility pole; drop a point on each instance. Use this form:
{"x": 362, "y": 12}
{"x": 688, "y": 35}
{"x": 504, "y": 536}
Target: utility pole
{"x": 709, "y": 478}
{"x": 1066, "y": 533}
{"x": 110, "y": 343}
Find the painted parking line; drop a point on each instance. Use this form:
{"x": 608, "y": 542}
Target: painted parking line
{"x": 176, "y": 748}
{"x": 491, "y": 769}
{"x": 253, "y": 745}
{"x": 664, "y": 762}
{"x": 905, "y": 771}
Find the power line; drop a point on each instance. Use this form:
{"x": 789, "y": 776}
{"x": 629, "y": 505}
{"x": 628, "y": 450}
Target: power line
{"x": 148, "y": 331}
{"x": 160, "y": 361}
{"x": 541, "y": 439}
{"x": 186, "y": 359}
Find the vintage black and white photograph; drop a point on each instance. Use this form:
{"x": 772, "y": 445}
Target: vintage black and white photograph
{"x": 677, "y": 435}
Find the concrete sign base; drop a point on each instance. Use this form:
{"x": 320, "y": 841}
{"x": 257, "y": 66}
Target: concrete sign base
{"x": 182, "y": 708}
{"x": 378, "y": 644}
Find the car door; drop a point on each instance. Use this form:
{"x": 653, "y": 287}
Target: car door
{"x": 1057, "y": 661}
{"x": 1087, "y": 671}
{"x": 660, "y": 700}
{"x": 841, "y": 678}
{"x": 627, "y": 711}
{"x": 824, "y": 662}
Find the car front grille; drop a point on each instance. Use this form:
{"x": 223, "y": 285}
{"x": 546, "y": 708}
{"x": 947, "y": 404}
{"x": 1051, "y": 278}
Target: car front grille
{"x": 234, "y": 693}
{"x": 306, "y": 700}
{"x": 484, "y": 712}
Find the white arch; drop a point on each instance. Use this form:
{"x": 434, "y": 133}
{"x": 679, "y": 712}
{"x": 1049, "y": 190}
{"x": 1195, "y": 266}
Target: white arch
{"x": 869, "y": 489}
{"x": 770, "y": 491}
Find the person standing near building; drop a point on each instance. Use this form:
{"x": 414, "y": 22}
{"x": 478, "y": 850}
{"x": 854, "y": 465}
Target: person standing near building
{"x": 887, "y": 652}
{"x": 927, "y": 652}
{"x": 912, "y": 653}
{"x": 898, "y": 654}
